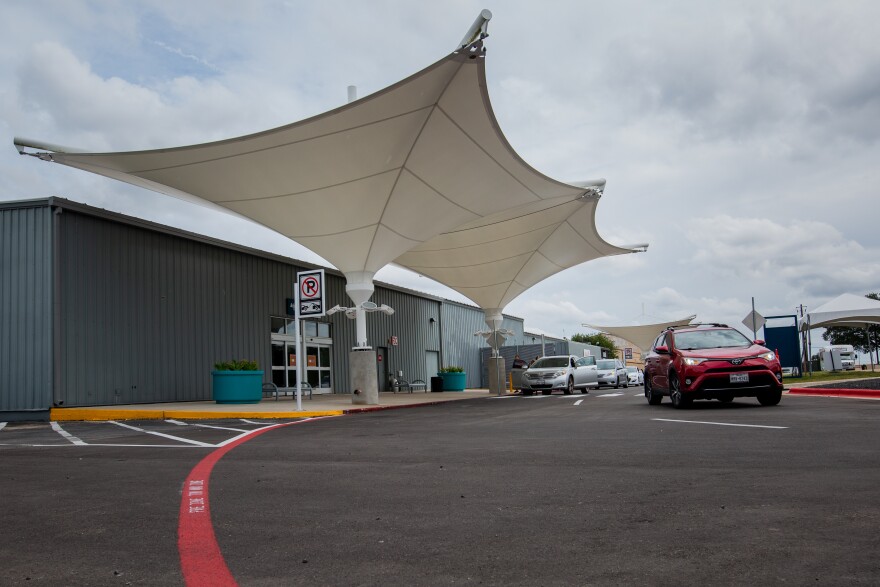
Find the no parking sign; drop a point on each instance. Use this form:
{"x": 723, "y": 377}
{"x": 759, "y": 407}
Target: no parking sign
{"x": 310, "y": 286}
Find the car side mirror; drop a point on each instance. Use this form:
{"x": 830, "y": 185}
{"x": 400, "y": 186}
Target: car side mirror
{"x": 760, "y": 342}
{"x": 662, "y": 349}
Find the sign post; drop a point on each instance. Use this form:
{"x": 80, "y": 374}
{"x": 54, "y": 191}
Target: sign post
{"x": 308, "y": 301}
{"x": 754, "y": 321}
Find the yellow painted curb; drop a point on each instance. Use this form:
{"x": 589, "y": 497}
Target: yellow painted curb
{"x": 81, "y": 414}
{"x": 86, "y": 414}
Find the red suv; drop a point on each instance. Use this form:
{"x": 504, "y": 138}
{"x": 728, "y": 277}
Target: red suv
{"x": 710, "y": 361}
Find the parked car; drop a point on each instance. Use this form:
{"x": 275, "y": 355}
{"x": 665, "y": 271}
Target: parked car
{"x": 635, "y": 375}
{"x": 565, "y": 372}
{"x": 612, "y": 372}
{"x": 710, "y": 361}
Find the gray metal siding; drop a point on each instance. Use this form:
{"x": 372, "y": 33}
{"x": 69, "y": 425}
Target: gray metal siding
{"x": 25, "y": 308}
{"x": 145, "y": 315}
{"x": 460, "y": 346}
{"x": 411, "y": 324}
{"x": 142, "y": 312}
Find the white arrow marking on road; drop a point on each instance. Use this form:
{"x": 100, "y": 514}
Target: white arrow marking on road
{"x": 721, "y": 424}
{"x": 577, "y": 403}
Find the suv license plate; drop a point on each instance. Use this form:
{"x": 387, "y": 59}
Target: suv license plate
{"x": 739, "y": 377}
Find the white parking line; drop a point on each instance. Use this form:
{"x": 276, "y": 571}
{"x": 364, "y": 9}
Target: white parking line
{"x": 577, "y": 403}
{"x": 721, "y": 424}
{"x": 251, "y": 422}
{"x": 177, "y": 422}
{"x": 67, "y": 435}
{"x": 610, "y": 394}
{"x": 177, "y": 438}
{"x": 219, "y": 427}
{"x": 2, "y": 425}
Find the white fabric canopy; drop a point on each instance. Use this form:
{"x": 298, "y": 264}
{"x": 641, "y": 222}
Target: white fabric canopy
{"x": 844, "y": 310}
{"x": 641, "y": 336}
{"x": 418, "y": 174}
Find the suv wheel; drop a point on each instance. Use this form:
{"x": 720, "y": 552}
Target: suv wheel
{"x": 769, "y": 398}
{"x": 654, "y": 399}
{"x": 679, "y": 400}
{"x": 570, "y": 388}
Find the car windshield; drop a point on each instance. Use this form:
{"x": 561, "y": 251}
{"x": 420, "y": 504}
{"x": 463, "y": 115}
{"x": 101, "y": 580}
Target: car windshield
{"x": 631, "y": 370}
{"x": 606, "y": 364}
{"x": 711, "y": 339}
{"x": 550, "y": 363}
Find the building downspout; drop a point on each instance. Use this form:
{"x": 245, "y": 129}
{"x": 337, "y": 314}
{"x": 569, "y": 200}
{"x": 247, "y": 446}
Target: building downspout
{"x": 55, "y": 302}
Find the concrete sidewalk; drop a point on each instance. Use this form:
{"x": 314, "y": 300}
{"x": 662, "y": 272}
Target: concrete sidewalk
{"x": 269, "y": 408}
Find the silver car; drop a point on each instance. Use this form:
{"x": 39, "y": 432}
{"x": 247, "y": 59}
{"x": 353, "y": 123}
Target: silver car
{"x": 565, "y": 372}
{"x": 612, "y": 373}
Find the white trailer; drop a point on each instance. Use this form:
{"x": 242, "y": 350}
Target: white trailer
{"x": 841, "y": 357}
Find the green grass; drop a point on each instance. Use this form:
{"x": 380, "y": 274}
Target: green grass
{"x": 820, "y": 376}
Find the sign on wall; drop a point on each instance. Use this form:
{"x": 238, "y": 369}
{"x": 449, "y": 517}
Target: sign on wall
{"x": 627, "y": 353}
{"x": 311, "y": 293}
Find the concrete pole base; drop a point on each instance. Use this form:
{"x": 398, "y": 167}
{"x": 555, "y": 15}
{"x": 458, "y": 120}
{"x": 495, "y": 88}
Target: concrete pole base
{"x": 497, "y": 380}
{"x": 364, "y": 379}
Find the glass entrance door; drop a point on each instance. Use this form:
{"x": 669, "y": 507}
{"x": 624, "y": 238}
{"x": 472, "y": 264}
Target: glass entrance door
{"x": 283, "y": 363}
{"x": 318, "y": 368}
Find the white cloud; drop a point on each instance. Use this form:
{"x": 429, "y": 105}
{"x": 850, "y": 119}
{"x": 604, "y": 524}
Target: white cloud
{"x": 804, "y": 256}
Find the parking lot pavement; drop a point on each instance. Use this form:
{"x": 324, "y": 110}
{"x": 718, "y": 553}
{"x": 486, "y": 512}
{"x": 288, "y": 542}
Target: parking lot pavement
{"x": 130, "y": 433}
{"x": 585, "y": 489}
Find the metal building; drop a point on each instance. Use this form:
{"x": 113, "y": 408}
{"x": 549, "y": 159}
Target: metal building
{"x": 98, "y": 308}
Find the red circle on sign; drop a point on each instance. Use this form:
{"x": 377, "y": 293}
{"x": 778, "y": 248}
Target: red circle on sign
{"x": 310, "y": 287}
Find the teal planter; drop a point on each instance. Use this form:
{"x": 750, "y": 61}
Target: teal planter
{"x": 453, "y": 381}
{"x": 237, "y": 387}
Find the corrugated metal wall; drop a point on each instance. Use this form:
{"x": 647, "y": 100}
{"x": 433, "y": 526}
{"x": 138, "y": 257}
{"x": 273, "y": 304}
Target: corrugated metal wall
{"x": 25, "y": 307}
{"x": 142, "y": 312}
{"x": 145, "y": 315}
{"x": 460, "y": 346}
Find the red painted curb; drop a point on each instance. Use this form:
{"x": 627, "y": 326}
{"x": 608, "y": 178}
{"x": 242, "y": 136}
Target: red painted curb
{"x": 868, "y": 393}
{"x": 201, "y": 561}
{"x": 377, "y": 408}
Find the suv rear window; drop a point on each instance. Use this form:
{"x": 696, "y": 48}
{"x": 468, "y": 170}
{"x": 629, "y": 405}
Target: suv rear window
{"x": 710, "y": 339}
{"x": 551, "y": 363}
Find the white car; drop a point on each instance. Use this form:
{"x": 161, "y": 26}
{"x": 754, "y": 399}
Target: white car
{"x": 612, "y": 373}
{"x": 635, "y": 376}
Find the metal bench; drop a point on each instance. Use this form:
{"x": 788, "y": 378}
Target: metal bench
{"x": 404, "y": 385}
{"x": 271, "y": 389}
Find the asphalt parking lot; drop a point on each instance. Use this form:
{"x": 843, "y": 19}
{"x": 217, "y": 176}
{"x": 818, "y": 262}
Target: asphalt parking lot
{"x": 597, "y": 489}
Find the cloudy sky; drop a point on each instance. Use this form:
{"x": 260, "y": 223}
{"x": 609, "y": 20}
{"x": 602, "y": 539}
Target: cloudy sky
{"x": 738, "y": 138}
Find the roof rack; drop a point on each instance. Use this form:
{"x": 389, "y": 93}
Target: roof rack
{"x": 698, "y": 324}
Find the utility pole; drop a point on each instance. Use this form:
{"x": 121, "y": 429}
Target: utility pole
{"x": 804, "y": 334}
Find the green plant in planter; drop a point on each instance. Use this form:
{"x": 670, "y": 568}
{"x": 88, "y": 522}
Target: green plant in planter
{"x": 237, "y": 382}
{"x": 452, "y": 369}
{"x": 239, "y": 365}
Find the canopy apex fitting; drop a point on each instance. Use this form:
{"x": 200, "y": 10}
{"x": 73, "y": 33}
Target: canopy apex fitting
{"x": 473, "y": 39}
